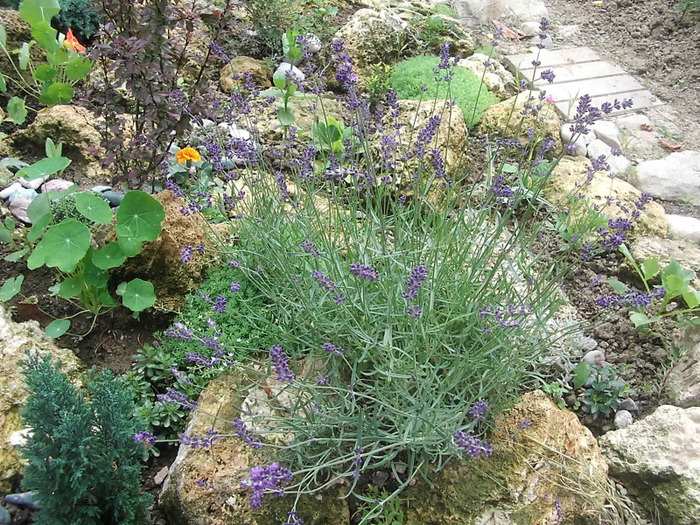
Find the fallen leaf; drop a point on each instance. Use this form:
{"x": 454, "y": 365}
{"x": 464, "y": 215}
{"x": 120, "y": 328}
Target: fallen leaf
{"x": 507, "y": 32}
{"x": 646, "y": 127}
{"x": 672, "y": 147}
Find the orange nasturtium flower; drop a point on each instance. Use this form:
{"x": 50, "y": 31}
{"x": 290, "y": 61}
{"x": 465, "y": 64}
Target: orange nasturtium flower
{"x": 188, "y": 154}
{"x": 72, "y": 43}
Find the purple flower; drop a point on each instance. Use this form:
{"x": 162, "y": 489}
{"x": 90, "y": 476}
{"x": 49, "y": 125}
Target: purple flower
{"x": 323, "y": 280}
{"x": 180, "y": 331}
{"x": 525, "y": 423}
{"x": 293, "y": 519}
{"x": 547, "y": 75}
{"x": 322, "y": 379}
{"x": 478, "y": 410}
{"x": 205, "y": 484}
{"x": 310, "y": 247}
{"x": 414, "y": 312}
{"x": 413, "y": 284}
{"x": 145, "y": 437}
{"x": 186, "y": 254}
{"x": 332, "y": 349}
{"x": 220, "y": 304}
{"x": 245, "y": 434}
{"x": 280, "y": 363}
{"x": 266, "y": 479}
{"x": 558, "y": 509}
{"x": 365, "y": 272}
{"x": 339, "y": 298}
{"x": 620, "y": 223}
{"x": 173, "y": 397}
{"x": 235, "y": 286}
{"x": 473, "y": 447}
{"x": 199, "y": 441}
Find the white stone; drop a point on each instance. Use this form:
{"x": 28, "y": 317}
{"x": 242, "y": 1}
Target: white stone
{"x": 633, "y": 122}
{"x": 313, "y": 42}
{"x": 18, "y": 208}
{"x": 33, "y": 184}
{"x": 566, "y": 134}
{"x": 675, "y": 177}
{"x": 595, "y": 357}
{"x": 56, "y": 185}
{"x": 285, "y": 67}
{"x": 684, "y": 227}
{"x": 19, "y": 438}
{"x": 10, "y": 190}
{"x": 618, "y": 164}
{"x": 159, "y": 478}
{"x": 608, "y": 132}
{"x": 663, "y": 446}
{"x": 623, "y": 419}
{"x": 23, "y": 193}
{"x": 568, "y": 31}
{"x": 488, "y": 10}
{"x": 530, "y": 28}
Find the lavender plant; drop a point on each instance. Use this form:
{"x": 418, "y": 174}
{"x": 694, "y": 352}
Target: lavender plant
{"x": 405, "y": 320}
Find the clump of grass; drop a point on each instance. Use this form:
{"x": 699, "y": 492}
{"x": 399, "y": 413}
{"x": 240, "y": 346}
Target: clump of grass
{"x": 415, "y": 79}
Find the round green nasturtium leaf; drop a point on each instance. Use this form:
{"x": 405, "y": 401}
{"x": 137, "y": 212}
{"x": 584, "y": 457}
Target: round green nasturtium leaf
{"x": 111, "y": 256}
{"x": 78, "y": 68}
{"x": 45, "y": 73}
{"x": 137, "y": 294}
{"x": 64, "y": 245}
{"x": 106, "y": 299}
{"x": 45, "y": 35}
{"x": 11, "y": 287}
{"x": 140, "y": 216}
{"x": 17, "y": 111}
{"x": 71, "y": 287}
{"x": 94, "y": 208}
{"x": 34, "y": 11}
{"x": 58, "y": 93}
{"x": 129, "y": 245}
{"x": 58, "y": 327}
{"x": 94, "y": 276}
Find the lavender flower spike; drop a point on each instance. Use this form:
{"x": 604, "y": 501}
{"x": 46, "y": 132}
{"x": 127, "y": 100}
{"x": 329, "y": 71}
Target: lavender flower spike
{"x": 280, "y": 362}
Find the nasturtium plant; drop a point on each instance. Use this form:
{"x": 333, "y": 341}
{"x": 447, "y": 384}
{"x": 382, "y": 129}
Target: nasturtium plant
{"x": 83, "y": 270}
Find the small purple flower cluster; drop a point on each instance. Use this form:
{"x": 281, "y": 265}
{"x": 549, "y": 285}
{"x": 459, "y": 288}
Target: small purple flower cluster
{"x": 199, "y": 441}
{"x": 504, "y": 193}
{"x": 310, "y": 247}
{"x": 323, "y": 280}
{"x": 264, "y": 479}
{"x": 173, "y": 397}
{"x": 632, "y": 299}
{"x": 218, "y": 358}
{"x": 220, "y": 304}
{"x": 245, "y": 434}
{"x": 180, "y": 331}
{"x": 478, "y": 411}
{"x": 473, "y": 447}
{"x": 205, "y": 484}
{"x": 235, "y": 286}
{"x": 293, "y": 519}
{"x": 365, "y": 272}
{"x": 414, "y": 282}
{"x": 180, "y": 376}
{"x": 506, "y": 316}
{"x": 280, "y": 362}
{"x": 332, "y": 349}
{"x": 345, "y": 76}
{"x": 414, "y": 312}
{"x": 145, "y": 437}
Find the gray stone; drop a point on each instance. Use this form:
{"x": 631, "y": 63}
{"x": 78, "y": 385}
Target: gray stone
{"x": 594, "y": 357}
{"x": 658, "y": 459}
{"x": 628, "y": 404}
{"x": 633, "y": 122}
{"x": 530, "y": 28}
{"x": 33, "y": 184}
{"x": 608, "y": 132}
{"x": 23, "y": 193}
{"x": 24, "y": 499}
{"x": 547, "y": 42}
{"x": 288, "y": 69}
{"x": 159, "y": 478}
{"x": 10, "y": 190}
{"x": 568, "y": 31}
{"x": 618, "y": 163}
{"x": 684, "y": 227}
{"x": 18, "y": 208}
{"x": 113, "y": 197}
{"x": 5, "y": 517}
{"x": 675, "y": 177}
{"x": 496, "y": 77}
{"x": 481, "y": 11}
{"x": 623, "y": 419}
{"x": 101, "y": 189}
{"x": 56, "y": 185}
{"x": 684, "y": 380}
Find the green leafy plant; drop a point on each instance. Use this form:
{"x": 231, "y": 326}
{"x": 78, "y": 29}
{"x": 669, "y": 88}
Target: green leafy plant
{"x": 414, "y": 79}
{"x": 82, "y": 460}
{"x": 603, "y": 390}
{"x": 329, "y": 134}
{"x": 286, "y": 89}
{"x": 83, "y": 270}
{"x": 268, "y": 19}
{"x": 687, "y": 6}
{"x": 391, "y": 513}
{"x": 50, "y": 83}
{"x": 378, "y": 84}
{"x": 650, "y": 307}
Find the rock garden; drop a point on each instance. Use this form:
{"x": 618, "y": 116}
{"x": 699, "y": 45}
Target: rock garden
{"x": 342, "y": 262}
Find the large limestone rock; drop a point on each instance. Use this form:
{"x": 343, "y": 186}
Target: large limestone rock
{"x": 676, "y": 177}
{"x": 497, "y": 79}
{"x": 658, "y": 459}
{"x": 569, "y": 177}
{"x": 484, "y": 11}
{"x": 259, "y": 70}
{"x": 529, "y": 470}
{"x": 220, "y": 500}
{"x": 15, "y": 340}
{"x": 74, "y": 126}
{"x": 505, "y": 119}
{"x": 371, "y": 37}
{"x": 683, "y": 385}
{"x": 159, "y": 261}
